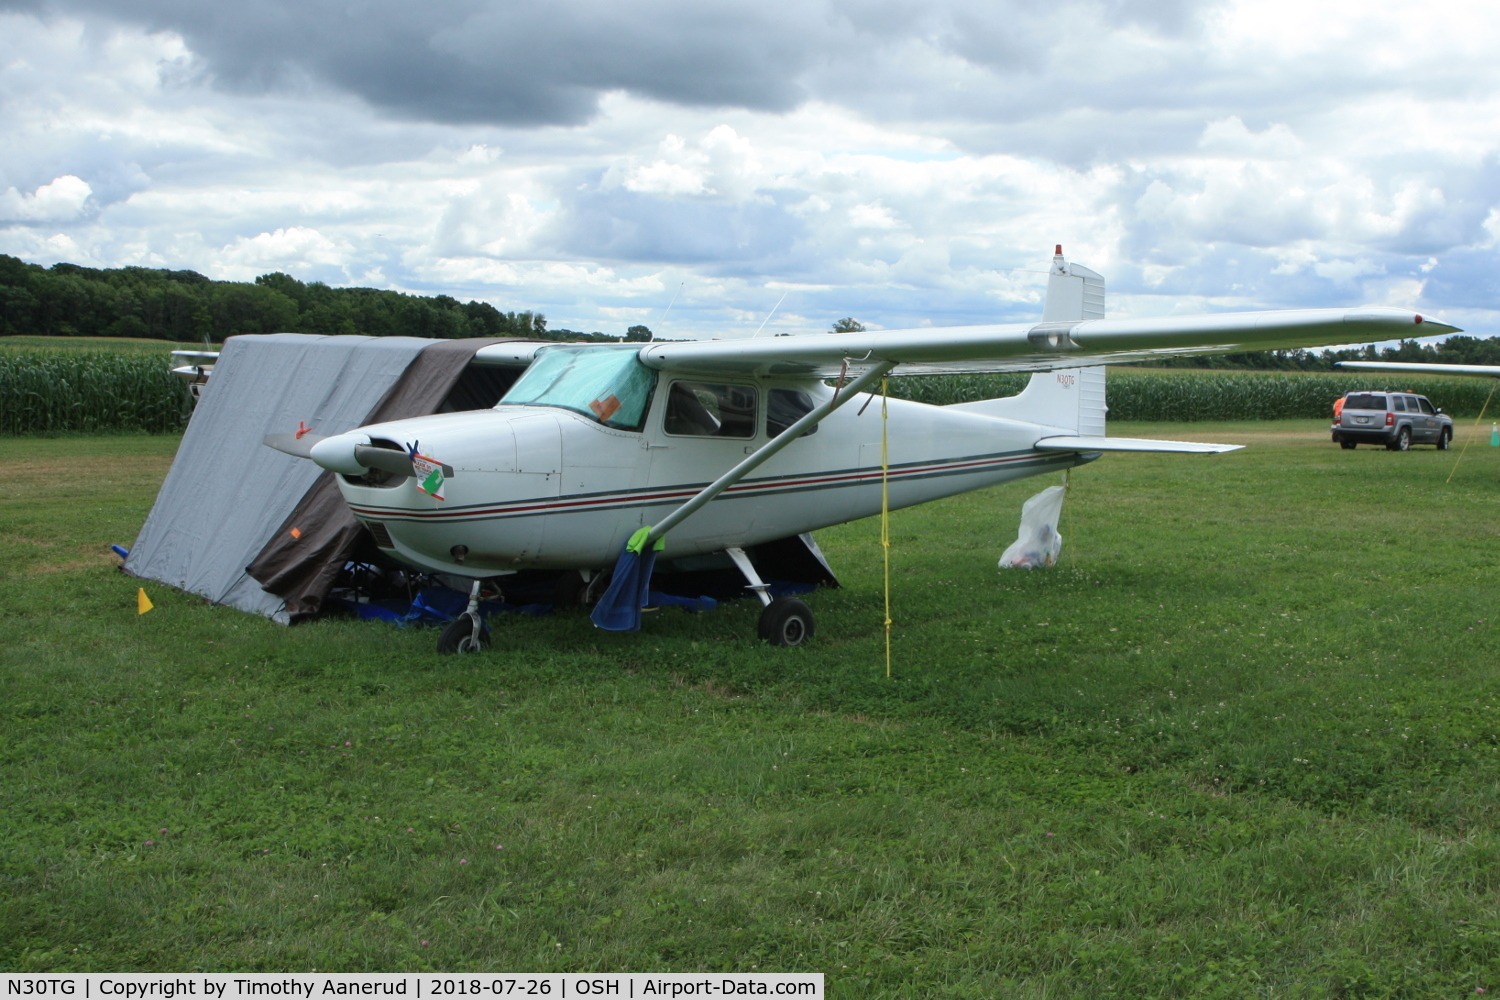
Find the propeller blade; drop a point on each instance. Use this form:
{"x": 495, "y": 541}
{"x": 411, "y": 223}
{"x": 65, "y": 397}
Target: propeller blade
{"x": 291, "y": 444}
{"x": 390, "y": 460}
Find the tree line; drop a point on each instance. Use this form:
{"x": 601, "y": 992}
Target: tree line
{"x": 66, "y": 300}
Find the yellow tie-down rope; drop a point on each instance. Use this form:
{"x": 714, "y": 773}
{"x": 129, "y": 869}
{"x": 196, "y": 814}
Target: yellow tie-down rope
{"x": 1472, "y": 434}
{"x": 885, "y": 517}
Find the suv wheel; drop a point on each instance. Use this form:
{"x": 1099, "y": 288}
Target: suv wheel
{"x": 1445, "y": 439}
{"x": 1348, "y": 445}
{"x": 1403, "y": 440}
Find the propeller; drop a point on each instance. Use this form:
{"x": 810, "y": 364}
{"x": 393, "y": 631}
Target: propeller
{"x": 393, "y": 460}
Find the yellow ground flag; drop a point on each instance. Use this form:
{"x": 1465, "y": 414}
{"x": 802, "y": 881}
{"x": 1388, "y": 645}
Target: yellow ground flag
{"x": 142, "y": 602}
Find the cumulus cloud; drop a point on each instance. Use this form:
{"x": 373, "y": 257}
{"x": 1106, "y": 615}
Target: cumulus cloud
{"x": 296, "y": 249}
{"x": 60, "y": 200}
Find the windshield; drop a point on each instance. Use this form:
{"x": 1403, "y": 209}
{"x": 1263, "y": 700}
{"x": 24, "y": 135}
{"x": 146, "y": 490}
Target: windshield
{"x": 602, "y": 383}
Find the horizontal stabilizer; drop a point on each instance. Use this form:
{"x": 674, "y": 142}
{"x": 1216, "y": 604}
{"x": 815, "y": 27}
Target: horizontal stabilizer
{"x": 291, "y": 444}
{"x": 1131, "y": 444}
{"x": 1425, "y": 369}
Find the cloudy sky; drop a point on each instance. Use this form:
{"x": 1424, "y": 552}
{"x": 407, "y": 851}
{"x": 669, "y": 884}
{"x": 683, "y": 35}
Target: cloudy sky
{"x": 903, "y": 162}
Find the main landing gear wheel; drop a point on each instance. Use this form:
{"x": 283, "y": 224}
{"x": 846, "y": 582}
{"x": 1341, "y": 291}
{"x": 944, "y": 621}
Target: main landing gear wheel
{"x": 569, "y": 590}
{"x": 786, "y": 622}
{"x": 460, "y": 637}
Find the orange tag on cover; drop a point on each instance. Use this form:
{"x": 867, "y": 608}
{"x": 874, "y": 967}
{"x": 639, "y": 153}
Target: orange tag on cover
{"x": 606, "y": 407}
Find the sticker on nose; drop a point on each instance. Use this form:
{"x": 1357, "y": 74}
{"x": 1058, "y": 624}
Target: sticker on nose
{"x": 429, "y": 475}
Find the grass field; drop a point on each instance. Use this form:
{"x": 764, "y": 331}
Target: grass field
{"x": 1243, "y": 741}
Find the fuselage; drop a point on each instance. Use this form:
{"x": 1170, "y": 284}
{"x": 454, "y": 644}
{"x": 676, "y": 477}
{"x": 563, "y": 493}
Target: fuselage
{"x": 556, "y": 487}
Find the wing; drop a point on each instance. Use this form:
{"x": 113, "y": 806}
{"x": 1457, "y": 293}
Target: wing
{"x": 510, "y": 353}
{"x": 1037, "y": 346}
{"x": 1403, "y": 366}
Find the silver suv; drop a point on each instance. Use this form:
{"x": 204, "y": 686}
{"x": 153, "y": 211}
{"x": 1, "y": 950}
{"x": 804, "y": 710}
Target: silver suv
{"x": 1397, "y": 420}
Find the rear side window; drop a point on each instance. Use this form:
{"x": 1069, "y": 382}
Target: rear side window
{"x": 1398, "y": 403}
{"x": 785, "y": 407}
{"x": 709, "y": 409}
{"x": 1364, "y": 401}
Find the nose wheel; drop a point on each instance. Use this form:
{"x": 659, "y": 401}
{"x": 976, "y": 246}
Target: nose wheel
{"x": 466, "y": 633}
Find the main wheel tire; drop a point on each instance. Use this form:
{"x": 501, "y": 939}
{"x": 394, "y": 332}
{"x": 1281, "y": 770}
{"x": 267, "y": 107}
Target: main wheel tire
{"x": 1403, "y": 440}
{"x": 569, "y": 589}
{"x": 1348, "y": 445}
{"x": 458, "y": 637}
{"x": 786, "y": 622}
{"x": 1445, "y": 438}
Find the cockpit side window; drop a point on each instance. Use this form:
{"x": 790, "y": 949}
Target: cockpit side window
{"x": 710, "y": 409}
{"x": 602, "y": 383}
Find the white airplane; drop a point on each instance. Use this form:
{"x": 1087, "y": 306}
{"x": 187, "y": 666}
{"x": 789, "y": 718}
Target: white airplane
{"x": 718, "y": 446}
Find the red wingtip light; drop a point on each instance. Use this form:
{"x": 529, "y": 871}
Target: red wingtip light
{"x": 1059, "y": 253}
{"x": 1418, "y": 319}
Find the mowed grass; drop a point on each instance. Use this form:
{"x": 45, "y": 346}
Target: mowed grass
{"x": 1241, "y": 741}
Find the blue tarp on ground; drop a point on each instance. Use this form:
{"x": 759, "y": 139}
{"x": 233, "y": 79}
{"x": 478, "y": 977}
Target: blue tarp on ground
{"x": 439, "y": 605}
{"x": 433, "y": 606}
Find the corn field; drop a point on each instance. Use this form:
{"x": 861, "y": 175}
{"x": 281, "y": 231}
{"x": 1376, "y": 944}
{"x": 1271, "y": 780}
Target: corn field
{"x": 1137, "y": 394}
{"x": 51, "y": 392}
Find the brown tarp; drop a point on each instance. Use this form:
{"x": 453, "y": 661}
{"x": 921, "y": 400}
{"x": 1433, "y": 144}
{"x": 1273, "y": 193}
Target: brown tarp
{"x": 301, "y": 568}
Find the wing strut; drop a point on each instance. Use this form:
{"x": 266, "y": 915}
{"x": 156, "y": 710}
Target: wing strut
{"x": 771, "y": 447}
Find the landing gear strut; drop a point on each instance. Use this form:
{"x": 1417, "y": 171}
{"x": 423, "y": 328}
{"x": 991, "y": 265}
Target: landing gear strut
{"x": 785, "y": 621}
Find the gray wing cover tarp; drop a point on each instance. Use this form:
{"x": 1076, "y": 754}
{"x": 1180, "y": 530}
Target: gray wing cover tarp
{"x": 226, "y": 493}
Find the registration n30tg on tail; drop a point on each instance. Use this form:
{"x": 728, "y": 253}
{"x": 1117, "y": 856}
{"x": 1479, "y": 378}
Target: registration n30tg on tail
{"x": 599, "y": 454}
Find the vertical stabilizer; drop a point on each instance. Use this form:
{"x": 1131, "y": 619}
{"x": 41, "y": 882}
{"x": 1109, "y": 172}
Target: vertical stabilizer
{"x": 1073, "y": 292}
{"x": 1072, "y": 398}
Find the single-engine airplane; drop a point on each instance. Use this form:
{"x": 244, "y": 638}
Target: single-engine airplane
{"x": 599, "y": 451}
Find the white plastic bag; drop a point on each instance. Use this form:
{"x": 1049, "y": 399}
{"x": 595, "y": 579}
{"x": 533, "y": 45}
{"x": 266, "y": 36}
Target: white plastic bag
{"x": 1038, "y": 542}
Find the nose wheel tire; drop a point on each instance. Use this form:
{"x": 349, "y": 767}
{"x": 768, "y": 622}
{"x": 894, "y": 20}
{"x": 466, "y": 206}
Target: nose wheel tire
{"x": 460, "y": 637}
{"x": 1403, "y": 440}
{"x": 786, "y": 622}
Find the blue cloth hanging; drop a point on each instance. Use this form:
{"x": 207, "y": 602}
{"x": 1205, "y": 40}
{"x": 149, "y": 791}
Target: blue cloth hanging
{"x": 619, "y": 610}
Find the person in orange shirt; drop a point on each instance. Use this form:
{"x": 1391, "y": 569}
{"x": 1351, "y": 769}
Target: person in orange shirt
{"x": 1338, "y": 407}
